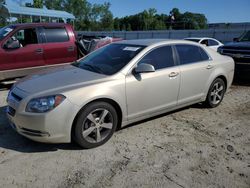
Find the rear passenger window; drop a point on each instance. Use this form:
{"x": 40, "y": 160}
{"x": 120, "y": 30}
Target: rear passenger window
{"x": 191, "y": 54}
{"x": 213, "y": 43}
{"x": 160, "y": 58}
{"x": 56, "y": 35}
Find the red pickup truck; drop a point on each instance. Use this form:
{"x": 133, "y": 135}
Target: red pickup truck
{"x": 25, "y": 48}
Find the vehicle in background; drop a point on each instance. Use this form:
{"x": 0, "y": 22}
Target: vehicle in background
{"x": 210, "y": 42}
{"x": 239, "y": 50}
{"x": 88, "y": 44}
{"x": 26, "y": 48}
{"x": 117, "y": 85}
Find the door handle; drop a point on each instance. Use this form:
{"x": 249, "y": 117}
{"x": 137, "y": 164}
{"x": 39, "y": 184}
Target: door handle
{"x": 71, "y": 48}
{"x": 173, "y": 74}
{"x": 210, "y": 67}
{"x": 39, "y": 51}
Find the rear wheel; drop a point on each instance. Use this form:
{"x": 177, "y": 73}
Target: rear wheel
{"x": 216, "y": 93}
{"x": 95, "y": 125}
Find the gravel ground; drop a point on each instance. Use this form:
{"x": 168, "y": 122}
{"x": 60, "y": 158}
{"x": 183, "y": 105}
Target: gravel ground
{"x": 193, "y": 147}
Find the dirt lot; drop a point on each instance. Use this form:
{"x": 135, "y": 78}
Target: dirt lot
{"x": 193, "y": 147}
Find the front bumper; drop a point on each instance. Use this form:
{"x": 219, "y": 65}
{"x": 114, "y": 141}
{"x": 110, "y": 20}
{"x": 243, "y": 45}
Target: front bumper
{"x": 51, "y": 127}
{"x": 242, "y": 72}
{"x": 242, "y": 67}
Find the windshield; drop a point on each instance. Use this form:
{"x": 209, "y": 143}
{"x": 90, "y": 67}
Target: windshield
{"x": 245, "y": 37}
{"x": 5, "y": 31}
{"x": 109, "y": 59}
{"x": 193, "y": 40}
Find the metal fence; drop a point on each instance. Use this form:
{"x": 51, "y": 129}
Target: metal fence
{"x": 224, "y": 35}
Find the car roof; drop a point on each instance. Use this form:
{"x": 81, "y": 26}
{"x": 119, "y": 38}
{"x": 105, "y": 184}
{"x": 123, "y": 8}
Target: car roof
{"x": 38, "y": 24}
{"x": 149, "y": 42}
{"x": 200, "y": 38}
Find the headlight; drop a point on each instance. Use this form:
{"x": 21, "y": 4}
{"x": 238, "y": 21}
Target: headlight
{"x": 44, "y": 104}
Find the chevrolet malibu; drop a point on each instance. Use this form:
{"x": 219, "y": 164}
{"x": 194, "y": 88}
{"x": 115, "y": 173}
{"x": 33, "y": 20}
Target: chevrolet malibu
{"x": 114, "y": 86}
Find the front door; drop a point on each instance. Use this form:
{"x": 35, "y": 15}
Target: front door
{"x": 149, "y": 93}
{"x": 29, "y": 54}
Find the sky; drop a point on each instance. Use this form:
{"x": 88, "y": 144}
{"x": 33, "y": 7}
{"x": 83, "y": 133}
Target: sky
{"x": 216, "y": 11}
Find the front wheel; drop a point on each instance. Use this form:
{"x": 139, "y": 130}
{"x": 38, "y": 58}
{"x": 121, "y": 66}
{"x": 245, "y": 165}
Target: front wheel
{"x": 216, "y": 93}
{"x": 95, "y": 125}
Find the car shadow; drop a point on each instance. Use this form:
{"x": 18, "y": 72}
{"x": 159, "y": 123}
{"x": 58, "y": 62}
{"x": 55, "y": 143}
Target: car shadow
{"x": 11, "y": 140}
{"x": 162, "y": 115}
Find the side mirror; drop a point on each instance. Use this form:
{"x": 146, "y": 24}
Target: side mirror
{"x": 236, "y": 39}
{"x": 12, "y": 44}
{"x": 144, "y": 68}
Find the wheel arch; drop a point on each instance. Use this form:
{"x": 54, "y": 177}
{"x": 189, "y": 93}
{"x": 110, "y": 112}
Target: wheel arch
{"x": 224, "y": 80}
{"x": 212, "y": 78}
{"x": 107, "y": 100}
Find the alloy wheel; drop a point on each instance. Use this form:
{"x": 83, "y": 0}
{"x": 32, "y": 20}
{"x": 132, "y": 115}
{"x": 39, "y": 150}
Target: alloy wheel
{"x": 97, "y": 125}
{"x": 217, "y": 93}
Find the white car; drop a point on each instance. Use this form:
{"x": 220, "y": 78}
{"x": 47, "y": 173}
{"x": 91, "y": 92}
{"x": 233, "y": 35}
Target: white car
{"x": 210, "y": 42}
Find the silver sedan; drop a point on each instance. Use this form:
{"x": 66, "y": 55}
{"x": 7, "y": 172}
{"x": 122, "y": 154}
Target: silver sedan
{"x": 115, "y": 86}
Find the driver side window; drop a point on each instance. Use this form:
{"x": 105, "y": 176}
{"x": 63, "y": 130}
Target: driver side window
{"x": 160, "y": 58}
{"x": 26, "y": 36}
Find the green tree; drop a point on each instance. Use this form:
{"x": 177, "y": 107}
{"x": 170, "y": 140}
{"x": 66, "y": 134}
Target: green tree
{"x": 81, "y": 10}
{"x": 38, "y": 3}
{"x": 129, "y": 27}
{"x": 95, "y": 17}
{"x": 194, "y": 21}
{"x": 106, "y": 21}
{"x": 55, "y": 4}
{"x": 3, "y": 14}
{"x": 117, "y": 24}
{"x": 88, "y": 16}
{"x": 101, "y": 17}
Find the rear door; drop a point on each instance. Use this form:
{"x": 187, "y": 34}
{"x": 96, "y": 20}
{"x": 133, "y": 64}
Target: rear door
{"x": 30, "y": 53}
{"x": 59, "y": 45}
{"x": 195, "y": 67}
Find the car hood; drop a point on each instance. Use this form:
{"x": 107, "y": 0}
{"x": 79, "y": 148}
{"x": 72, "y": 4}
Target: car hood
{"x": 61, "y": 78}
{"x": 237, "y": 45}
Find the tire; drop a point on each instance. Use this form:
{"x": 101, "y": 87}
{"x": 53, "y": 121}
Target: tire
{"x": 216, "y": 93}
{"x": 95, "y": 125}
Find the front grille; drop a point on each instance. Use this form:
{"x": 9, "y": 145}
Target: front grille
{"x": 11, "y": 111}
{"x": 242, "y": 60}
{"x": 236, "y": 53}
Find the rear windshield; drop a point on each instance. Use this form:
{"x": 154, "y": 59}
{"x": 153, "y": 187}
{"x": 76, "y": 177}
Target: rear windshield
{"x": 5, "y": 31}
{"x": 109, "y": 59}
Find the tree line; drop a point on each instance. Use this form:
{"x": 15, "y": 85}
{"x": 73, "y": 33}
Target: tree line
{"x": 151, "y": 20}
{"x": 92, "y": 17}
{"x": 98, "y": 17}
